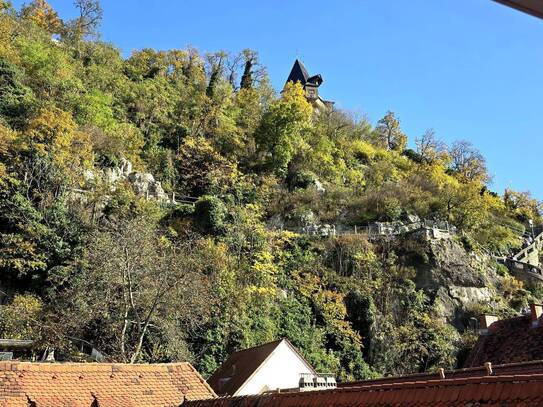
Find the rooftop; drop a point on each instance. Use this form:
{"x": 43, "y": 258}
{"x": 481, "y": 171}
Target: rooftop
{"x": 535, "y": 366}
{"x": 299, "y": 73}
{"x": 235, "y": 371}
{"x": 533, "y": 7}
{"x": 512, "y": 390}
{"x": 508, "y": 341}
{"x": 99, "y": 384}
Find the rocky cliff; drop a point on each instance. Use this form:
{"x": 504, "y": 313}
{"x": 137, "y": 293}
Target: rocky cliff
{"x": 453, "y": 278}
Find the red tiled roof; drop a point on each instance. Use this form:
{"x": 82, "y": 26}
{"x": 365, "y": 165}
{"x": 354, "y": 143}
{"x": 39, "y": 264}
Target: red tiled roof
{"x": 235, "y": 371}
{"x": 99, "y": 385}
{"x": 514, "y": 390}
{"x": 535, "y": 366}
{"x": 508, "y": 341}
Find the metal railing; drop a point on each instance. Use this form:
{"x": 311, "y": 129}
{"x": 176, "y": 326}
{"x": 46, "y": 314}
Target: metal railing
{"x": 373, "y": 229}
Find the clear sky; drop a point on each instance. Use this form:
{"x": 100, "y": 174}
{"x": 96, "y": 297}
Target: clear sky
{"x": 470, "y": 69}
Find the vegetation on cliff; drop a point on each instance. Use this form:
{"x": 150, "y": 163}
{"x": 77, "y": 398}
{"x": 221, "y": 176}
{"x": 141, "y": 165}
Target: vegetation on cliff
{"x": 150, "y": 280}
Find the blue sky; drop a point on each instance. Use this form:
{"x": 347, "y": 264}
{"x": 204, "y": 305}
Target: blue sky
{"x": 470, "y": 69}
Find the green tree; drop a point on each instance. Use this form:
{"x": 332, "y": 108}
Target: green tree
{"x": 283, "y": 130}
{"x": 139, "y": 285}
{"x": 16, "y": 99}
{"x": 22, "y": 317}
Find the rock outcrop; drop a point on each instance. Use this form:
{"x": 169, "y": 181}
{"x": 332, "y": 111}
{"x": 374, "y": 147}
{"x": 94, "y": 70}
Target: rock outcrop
{"x": 453, "y": 279}
{"x": 143, "y": 183}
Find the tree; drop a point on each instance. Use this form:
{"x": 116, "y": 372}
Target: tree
{"x": 247, "y": 77}
{"x": 215, "y": 62}
{"x": 430, "y": 148}
{"x": 5, "y": 5}
{"x": 53, "y": 134}
{"x": 388, "y": 133}
{"x": 21, "y": 318}
{"x": 43, "y": 15}
{"x": 136, "y": 283}
{"x": 88, "y": 21}
{"x": 468, "y": 162}
{"x": 16, "y": 99}
{"x": 202, "y": 170}
{"x": 282, "y": 131}
{"x": 523, "y": 206}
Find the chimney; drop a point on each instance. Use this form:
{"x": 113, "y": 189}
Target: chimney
{"x": 536, "y": 310}
{"x": 488, "y": 367}
{"x": 484, "y": 323}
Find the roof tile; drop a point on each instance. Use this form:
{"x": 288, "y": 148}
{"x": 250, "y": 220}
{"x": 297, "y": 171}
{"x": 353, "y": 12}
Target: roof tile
{"x": 80, "y": 384}
{"x": 506, "y": 390}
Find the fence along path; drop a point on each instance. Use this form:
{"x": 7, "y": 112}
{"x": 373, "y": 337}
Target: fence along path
{"x": 375, "y": 229}
{"x": 521, "y": 263}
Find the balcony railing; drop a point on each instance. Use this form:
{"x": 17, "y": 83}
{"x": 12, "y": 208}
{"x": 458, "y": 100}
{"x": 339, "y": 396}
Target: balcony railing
{"x": 319, "y": 381}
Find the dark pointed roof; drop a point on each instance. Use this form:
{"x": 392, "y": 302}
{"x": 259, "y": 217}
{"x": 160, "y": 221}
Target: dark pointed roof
{"x": 298, "y": 73}
{"x": 533, "y": 7}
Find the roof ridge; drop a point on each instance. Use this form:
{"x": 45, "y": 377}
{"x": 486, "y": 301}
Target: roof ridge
{"x": 448, "y": 373}
{"x": 534, "y": 377}
{"x": 82, "y": 366}
{"x": 257, "y": 346}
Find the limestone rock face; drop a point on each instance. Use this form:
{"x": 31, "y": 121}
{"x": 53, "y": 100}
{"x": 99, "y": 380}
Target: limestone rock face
{"x": 144, "y": 184}
{"x": 319, "y": 187}
{"x": 453, "y": 279}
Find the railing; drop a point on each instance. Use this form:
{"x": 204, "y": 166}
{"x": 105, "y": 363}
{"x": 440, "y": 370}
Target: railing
{"x": 184, "y": 199}
{"x": 521, "y": 269}
{"x": 534, "y": 245}
{"x": 374, "y": 229}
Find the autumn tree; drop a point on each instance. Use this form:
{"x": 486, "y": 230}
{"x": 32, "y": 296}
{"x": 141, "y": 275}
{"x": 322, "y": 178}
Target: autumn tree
{"x": 468, "y": 162}
{"x": 388, "y": 133}
{"x": 430, "y": 148}
{"x": 5, "y": 5}
{"x": 43, "y": 15}
{"x": 88, "y": 21}
{"x": 53, "y": 135}
{"x": 22, "y": 317}
{"x": 523, "y": 205}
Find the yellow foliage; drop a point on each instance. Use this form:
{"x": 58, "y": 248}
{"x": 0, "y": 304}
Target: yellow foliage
{"x": 20, "y": 319}
{"x": 7, "y": 29}
{"x": 54, "y": 133}
{"x": 43, "y": 15}
{"x": 7, "y": 137}
{"x": 331, "y": 304}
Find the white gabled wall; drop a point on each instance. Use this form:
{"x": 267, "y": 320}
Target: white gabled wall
{"x": 280, "y": 371}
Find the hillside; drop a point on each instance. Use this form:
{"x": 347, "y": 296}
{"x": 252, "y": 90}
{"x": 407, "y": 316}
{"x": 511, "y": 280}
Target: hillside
{"x": 173, "y": 206}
